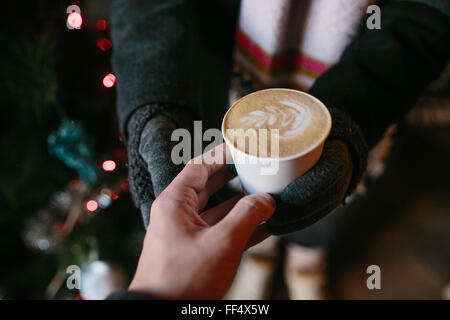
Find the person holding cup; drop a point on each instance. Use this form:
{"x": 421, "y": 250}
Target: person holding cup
{"x": 191, "y": 252}
{"x": 173, "y": 61}
{"x": 164, "y": 82}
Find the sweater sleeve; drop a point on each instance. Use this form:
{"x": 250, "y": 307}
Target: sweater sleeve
{"x": 382, "y": 73}
{"x": 155, "y": 56}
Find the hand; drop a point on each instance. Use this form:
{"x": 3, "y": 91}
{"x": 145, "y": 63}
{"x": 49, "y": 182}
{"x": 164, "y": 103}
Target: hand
{"x": 191, "y": 256}
{"x": 320, "y": 190}
{"x": 316, "y": 193}
{"x": 149, "y": 147}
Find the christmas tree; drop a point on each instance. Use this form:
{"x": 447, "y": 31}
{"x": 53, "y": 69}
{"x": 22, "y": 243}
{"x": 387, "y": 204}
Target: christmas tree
{"x": 64, "y": 194}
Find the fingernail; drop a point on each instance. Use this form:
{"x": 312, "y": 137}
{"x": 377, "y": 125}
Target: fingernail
{"x": 269, "y": 197}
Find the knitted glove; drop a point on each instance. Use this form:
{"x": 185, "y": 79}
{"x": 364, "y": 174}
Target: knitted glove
{"x": 320, "y": 190}
{"x": 151, "y": 168}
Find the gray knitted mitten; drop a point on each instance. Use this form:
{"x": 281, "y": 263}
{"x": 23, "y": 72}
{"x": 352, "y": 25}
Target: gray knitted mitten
{"x": 320, "y": 190}
{"x": 151, "y": 168}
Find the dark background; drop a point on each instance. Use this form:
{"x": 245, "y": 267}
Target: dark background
{"x": 399, "y": 219}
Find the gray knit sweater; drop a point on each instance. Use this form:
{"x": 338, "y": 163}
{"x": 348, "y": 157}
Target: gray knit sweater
{"x": 173, "y": 58}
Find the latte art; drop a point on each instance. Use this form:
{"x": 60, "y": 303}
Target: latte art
{"x": 276, "y": 123}
{"x": 290, "y": 120}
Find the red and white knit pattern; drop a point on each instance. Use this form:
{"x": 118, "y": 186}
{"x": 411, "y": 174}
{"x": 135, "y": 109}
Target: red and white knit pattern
{"x": 290, "y": 43}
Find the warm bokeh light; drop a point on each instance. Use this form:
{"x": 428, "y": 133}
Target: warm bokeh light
{"x": 109, "y": 80}
{"x": 104, "y": 44}
{"x": 75, "y": 20}
{"x": 108, "y": 165}
{"x": 101, "y": 24}
{"x": 104, "y": 201}
{"x": 106, "y": 191}
{"x": 91, "y": 205}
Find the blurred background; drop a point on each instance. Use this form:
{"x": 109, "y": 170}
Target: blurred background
{"x": 64, "y": 197}
{"x": 64, "y": 191}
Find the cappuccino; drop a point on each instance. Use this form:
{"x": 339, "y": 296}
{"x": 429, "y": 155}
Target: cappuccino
{"x": 279, "y": 122}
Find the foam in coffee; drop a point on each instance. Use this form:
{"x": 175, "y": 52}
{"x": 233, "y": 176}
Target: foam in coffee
{"x": 297, "y": 121}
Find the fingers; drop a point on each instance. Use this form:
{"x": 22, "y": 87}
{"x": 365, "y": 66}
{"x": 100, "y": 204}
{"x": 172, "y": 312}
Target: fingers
{"x": 214, "y": 215}
{"x": 196, "y": 173}
{"x": 248, "y": 213}
{"x": 214, "y": 183}
{"x": 260, "y": 234}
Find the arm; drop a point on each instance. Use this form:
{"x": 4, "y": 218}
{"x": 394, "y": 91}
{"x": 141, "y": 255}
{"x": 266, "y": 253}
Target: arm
{"x": 190, "y": 252}
{"x": 382, "y": 73}
{"x": 379, "y": 78}
{"x": 156, "y": 63}
{"x": 155, "y": 55}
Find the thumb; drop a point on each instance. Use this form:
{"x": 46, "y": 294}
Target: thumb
{"x": 247, "y": 214}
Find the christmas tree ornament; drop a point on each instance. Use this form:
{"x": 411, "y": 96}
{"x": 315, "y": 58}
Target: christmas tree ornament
{"x": 72, "y": 145}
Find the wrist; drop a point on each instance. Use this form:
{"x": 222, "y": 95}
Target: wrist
{"x": 153, "y": 287}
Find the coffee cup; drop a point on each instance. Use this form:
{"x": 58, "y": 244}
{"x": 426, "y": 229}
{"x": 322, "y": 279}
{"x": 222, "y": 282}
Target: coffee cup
{"x": 275, "y": 136}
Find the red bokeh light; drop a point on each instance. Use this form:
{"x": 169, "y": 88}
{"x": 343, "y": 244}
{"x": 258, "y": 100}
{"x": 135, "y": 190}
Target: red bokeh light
{"x": 109, "y": 80}
{"x": 124, "y": 186}
{"x": 91, "y": 205}
{"x": 115, "y": 196}
{"x": 101, "y": 24}
{"x": 109, "y": 165}
{"x": 75, "y": 20}
{"x": 104, "y": 44}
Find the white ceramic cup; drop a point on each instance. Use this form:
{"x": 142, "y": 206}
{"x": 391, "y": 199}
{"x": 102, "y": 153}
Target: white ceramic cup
{"x": 272, "y": 175}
